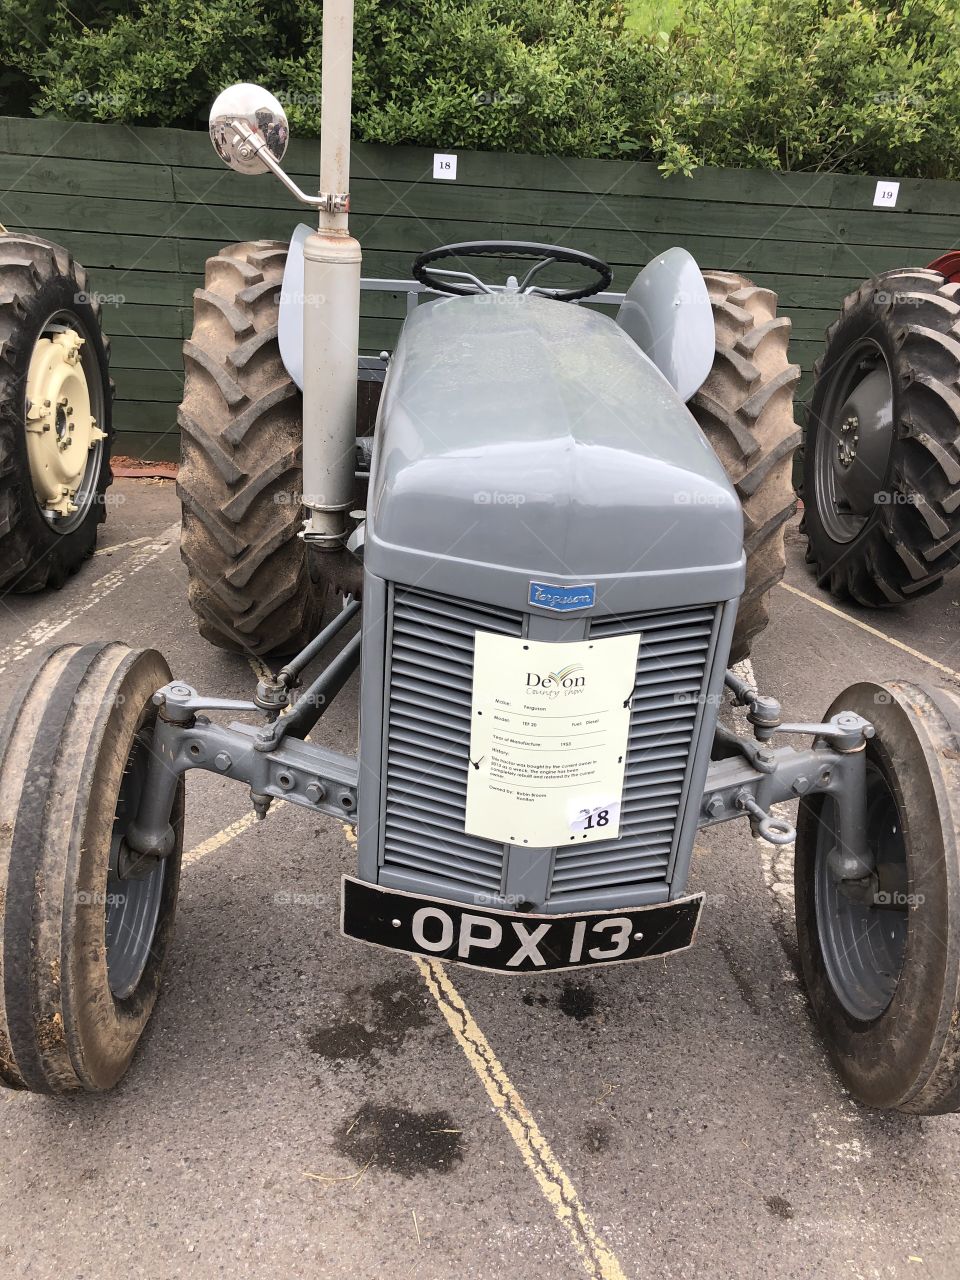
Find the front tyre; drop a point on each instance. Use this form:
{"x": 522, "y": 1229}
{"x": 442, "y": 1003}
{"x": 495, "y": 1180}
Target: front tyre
{"x": 881, "y": 956}
{"x": 83, "y": 933}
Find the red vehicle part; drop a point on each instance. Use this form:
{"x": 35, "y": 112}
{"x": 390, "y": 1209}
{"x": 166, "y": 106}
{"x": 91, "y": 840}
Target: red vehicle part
{"x": 948, "y": 264}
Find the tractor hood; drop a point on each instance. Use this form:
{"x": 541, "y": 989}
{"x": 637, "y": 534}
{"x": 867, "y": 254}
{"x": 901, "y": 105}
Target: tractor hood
{"x": 525, "y": 439}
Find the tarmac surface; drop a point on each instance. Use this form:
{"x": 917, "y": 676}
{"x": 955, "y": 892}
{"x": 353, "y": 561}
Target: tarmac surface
{"x": 302, "y": 1106}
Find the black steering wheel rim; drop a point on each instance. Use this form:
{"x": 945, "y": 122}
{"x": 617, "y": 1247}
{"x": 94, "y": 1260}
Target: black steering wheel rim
{"x": 511, "y": 249}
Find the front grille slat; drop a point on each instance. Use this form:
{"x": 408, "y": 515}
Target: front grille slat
{"x": 428, "y": 741}
{"x": 427, "y": 749}
{"x": 671, "y": 673}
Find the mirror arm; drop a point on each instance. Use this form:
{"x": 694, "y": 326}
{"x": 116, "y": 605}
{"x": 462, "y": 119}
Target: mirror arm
{"x": 338, "y": 202}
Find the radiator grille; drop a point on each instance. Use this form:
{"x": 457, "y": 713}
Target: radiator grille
{"x": 428, "y": 741}
{"x": 428, "y": 737}
{"x": 671, "y": 670}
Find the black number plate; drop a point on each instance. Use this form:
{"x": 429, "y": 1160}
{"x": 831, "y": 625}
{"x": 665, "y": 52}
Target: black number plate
{"x": 513, "y": 941}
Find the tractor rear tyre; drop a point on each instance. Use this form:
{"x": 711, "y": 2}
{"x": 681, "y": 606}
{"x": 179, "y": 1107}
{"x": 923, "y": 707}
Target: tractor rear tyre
{"x": 881, "y": 479}
{"x": 55, "y": 415}
{"x": 881, "y": 956}
{"x": 240, "y": 480}
{"x": 745, "y": 409}
{"x": 83, "y": 933}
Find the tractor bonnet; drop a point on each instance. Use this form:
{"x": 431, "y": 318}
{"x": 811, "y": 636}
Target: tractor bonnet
{"x": 523, "y": 438}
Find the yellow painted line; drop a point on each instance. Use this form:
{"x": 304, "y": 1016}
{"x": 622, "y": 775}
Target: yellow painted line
{"x": 599, "y": 1261}
{"x": 597, "y": 1258}
{"x": 221, "y": 838}
{"x": 880, "y": 635}
{"x": 43, "y": 631}
{"x": 118, "y": 546}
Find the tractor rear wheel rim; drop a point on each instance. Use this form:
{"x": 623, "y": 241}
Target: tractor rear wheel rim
{"x": 132, "y": 902}
{"x": 864, "y": 943}
{"x": 86, "y": 491}
{"x": 853, "y": 441}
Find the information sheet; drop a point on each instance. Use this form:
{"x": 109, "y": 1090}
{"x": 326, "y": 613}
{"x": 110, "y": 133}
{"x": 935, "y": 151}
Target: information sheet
{"x": 548, "y": 738}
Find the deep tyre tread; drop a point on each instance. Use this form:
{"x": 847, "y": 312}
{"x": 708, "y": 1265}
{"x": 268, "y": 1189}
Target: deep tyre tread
{"x": 37, "y": 279}
{"x": 908, "y": 1057}
{"x": 912, "y": 537}
{"x": 64, "y": 751}
{"x": 240, "y": 476}
{"x": 745, "y": 409}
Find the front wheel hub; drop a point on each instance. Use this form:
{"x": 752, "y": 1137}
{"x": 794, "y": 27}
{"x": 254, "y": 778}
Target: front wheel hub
{"x": 61, "y": 429}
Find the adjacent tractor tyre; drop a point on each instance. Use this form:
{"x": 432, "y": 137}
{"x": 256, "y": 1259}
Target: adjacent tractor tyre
{"x": 240, "y": 480}
{"x": 745, "y": 409}
{"x": 55, "y": 415}
{"x": 82, "y": 944}
{"x": 881, "y": 480}
{"x": 881, "y": 956}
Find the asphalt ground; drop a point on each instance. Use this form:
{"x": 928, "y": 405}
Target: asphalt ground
{"x": 303, "y": 1106}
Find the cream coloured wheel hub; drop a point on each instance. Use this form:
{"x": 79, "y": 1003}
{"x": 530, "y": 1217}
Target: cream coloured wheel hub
{"x": 61, "y": 430}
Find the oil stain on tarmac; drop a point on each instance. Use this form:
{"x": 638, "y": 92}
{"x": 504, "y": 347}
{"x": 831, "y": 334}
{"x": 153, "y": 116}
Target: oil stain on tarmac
{"x": 381, "y": 1019}
{"x": 401, "y": 1141}
{"x": 575, "y": 1000}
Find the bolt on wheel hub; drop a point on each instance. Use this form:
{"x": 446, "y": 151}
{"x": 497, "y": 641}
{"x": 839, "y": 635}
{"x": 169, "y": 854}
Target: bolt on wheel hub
{"x": 60, "y": 428}
{"x": 849, "y": 439}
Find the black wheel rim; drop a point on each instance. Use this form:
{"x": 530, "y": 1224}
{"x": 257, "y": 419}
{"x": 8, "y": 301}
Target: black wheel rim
{"x": 86, "y": 493}
{"x": 132, "y": 902}
{"x": 853, "y": 440}
{"x": 863, "y": 942}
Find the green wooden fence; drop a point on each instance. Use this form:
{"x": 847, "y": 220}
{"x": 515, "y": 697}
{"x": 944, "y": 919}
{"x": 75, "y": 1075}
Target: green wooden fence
{"x": 143, "y": 208}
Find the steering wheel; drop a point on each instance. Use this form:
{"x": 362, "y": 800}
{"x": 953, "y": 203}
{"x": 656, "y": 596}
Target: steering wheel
{"x": 443, "y": 280}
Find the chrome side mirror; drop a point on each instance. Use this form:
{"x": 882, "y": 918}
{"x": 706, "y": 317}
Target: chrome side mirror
{"x": 245, "y": 120}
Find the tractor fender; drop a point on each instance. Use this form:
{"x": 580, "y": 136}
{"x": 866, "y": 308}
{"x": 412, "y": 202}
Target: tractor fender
{"x": 667, "y": 312}
{"x": 290, "y": 321}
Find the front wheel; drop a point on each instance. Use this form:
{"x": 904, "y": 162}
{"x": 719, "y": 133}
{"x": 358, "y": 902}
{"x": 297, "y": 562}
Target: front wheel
{"x": 83, "y": 932}
{"x": 881, "y": 955}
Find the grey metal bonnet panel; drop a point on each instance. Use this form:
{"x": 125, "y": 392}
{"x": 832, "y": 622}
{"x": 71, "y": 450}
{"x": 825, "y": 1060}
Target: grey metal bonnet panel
{"x": 522, "y": 437}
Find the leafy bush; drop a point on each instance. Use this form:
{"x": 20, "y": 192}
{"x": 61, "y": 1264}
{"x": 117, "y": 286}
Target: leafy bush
{"x": 815, "y": 84}
{"x": 850, "y": 85}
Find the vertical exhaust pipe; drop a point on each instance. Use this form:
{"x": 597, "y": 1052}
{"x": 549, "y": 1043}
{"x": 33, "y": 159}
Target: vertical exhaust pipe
{"x": 331, "y": 307}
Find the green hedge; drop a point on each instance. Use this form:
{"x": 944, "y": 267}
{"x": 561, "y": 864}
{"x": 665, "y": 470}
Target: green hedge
{"x": 824, "y": 85}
